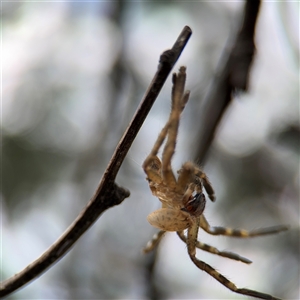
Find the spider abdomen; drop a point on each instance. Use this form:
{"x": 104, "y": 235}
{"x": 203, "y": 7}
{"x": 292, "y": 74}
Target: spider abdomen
{"x": 169, "y": 219}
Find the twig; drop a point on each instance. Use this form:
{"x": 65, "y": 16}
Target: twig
{"x": 108, "y": 193}
{"x": 232, "y": 75}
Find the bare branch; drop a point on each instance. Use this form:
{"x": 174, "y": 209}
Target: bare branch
{"x": 108, "y": 193}
{"x": 232, "y": 75}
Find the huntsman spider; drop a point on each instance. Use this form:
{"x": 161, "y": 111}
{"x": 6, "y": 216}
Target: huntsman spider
{"x": 183, "y": 200}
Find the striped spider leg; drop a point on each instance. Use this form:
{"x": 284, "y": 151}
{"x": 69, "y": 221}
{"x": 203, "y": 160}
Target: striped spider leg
{"x": 182, "y": 198}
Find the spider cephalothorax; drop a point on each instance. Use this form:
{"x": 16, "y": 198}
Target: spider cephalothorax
{"x": 182, "y": 198}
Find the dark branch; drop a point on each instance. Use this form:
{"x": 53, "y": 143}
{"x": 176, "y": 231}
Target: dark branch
{"x": 232, "y": 75}
{"x": 166, "y": 63}
{"x": 108, "y": 193}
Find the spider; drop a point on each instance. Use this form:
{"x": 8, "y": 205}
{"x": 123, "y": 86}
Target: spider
{"x": 183, "y": 200}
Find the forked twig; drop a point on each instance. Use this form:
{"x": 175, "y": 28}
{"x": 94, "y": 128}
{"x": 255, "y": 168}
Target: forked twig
{"x": 108, "y": 193}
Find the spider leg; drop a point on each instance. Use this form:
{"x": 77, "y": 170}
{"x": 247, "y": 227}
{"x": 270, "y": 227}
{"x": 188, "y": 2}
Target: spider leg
{"x": 179, "y": 99}
{"x": 153, "y": 170}
{"x": 191, "y": 245}
{"x": 239, "y": 232}
{"x": 190, "y": 172}
{"x": 214, "y": 250}
{"x": 206, "y": 183}
{"x": 185, "y": 176}
{"x": 178, "y": 105}
{"x": 147, "y": 165}
{"x": 157, "y": 237}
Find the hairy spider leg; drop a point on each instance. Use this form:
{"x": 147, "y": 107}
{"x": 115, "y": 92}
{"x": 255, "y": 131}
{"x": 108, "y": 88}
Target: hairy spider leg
{"x": 179, "y": 103}
{"x": 191, "y": 246}
{"x": 213, "y": 250}
{"x": 152, "y": 163}
{"x": 188, "y": 193}
{"x": 186, "y": 175}
{"x": 157, "y": 237}
{"x": 206, "y": 183}
{"x": 240, "y": 233}
{"x": 179, "y": 99}
{"x": 153, "y": 170}
{"x": 189, "y": 172}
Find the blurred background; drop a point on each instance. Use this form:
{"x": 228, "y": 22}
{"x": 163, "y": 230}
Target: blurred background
{"x": 73, "y": 74}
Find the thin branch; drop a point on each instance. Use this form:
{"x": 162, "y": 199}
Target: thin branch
{"x": 108, "y": 193}
{"x": 232, "y": 75}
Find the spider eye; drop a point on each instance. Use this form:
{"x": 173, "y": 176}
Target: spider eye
{"x": 196, "y": 205}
